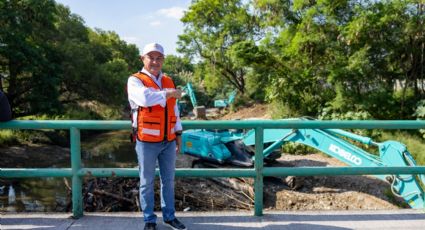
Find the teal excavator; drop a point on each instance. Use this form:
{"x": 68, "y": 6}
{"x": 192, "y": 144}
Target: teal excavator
{"x": 223, "y": 103}
{"x": 199, "y": 111}
{"x": 236, "y": 148}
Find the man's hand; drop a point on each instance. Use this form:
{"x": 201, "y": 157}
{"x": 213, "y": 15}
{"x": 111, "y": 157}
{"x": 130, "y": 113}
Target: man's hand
{"x": 178, "y": 144}
{"x": 176, "y": 93}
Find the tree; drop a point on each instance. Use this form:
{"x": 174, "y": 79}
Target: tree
{"x": 345, "y": 55}
{"x": 180, "y": 68}
{"x": 52, "y": 60}
{"x": 302, "y": 43}
{"x": 27, "y": 55}
{"x": 212, "y": 27}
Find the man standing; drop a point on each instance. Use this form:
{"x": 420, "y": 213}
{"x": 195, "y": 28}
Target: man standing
{"x": 157, "y": 127}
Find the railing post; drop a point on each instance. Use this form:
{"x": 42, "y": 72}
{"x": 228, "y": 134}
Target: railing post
{"x": 77, "y": 183}
{"x": 258, "y": 183}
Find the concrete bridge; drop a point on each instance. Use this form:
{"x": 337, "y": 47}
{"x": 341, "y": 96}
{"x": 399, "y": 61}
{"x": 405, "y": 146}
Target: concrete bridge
{"x": 312, "y": 220}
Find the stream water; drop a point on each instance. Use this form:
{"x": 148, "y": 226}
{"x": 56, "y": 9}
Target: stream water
{"x": 111, "y": 149}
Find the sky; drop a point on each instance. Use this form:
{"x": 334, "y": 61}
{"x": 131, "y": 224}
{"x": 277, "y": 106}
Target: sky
{"x": 136, "y": 21}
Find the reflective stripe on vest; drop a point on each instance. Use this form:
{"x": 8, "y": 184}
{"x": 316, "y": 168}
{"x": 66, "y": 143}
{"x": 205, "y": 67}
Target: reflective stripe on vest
{"x": 155, "y": 123}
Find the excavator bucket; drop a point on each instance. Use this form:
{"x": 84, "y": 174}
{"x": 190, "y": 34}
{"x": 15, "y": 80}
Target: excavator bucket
{"x": 408, "y": 187}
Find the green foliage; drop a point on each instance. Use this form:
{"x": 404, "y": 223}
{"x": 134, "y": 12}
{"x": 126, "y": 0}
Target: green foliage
{"x": 84, "y": 110}
{"x": 297, "y": 149}
{"x": 27, "y": 55}
{"x": 207, "y": 86}
{"x": 420, "y": 114}
{"x": 14, "y": 137}
{"x": 420, "y": 109}
{"x": 51, "y": 59}
{"x": 304, "y": 57}
{"x": 183, "y": 71}
{"x": 90, "y": 110}
{"x": 329, "y": 114}
{"x": 104, "y": 63}
{"x": 281, "y": 110}
{"x": 180, "y": 68}
{"x": 347, "y": 55}
{"x": 7, "y": 137}
{"x": 249, "y": 55}
{"x": 212, "y": 30}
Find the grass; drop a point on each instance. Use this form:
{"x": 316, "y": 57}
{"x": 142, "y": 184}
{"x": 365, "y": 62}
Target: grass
{"x": 7, "y": 137}
{"x": 88, "y": 110}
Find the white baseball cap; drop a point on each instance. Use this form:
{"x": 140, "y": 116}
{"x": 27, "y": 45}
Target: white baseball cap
{"x": 151, "y": 47}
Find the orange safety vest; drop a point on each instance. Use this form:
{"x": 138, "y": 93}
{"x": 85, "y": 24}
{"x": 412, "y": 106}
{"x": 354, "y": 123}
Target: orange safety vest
{"x": 155, "y": 123}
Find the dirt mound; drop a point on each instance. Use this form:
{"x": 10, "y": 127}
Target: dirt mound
{"x": 327, "y": 192}
{"x": 257, "y": 111}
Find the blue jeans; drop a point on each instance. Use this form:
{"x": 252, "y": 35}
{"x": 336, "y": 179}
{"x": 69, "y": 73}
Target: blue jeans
{"x": 147, "y": 155}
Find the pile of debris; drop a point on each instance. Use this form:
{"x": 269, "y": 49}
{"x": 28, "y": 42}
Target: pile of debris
{"x": 194, "y": 194}
{"x": 111, "y": 194}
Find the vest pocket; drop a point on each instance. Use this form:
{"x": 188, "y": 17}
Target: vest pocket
{"x": 151, "y": 126}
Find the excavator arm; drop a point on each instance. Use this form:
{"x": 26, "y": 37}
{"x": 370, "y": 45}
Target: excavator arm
{"x": 332, "y": 143}
{"x": 235, "y": 147}
{"x": 188, "y": 90}
{"x": 199, "y": 111}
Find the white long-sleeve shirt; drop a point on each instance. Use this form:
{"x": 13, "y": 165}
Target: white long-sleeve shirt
{"x": 140, "y": 95}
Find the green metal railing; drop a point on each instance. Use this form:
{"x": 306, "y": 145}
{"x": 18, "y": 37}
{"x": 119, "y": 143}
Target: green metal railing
{"x": 76, "y": 172}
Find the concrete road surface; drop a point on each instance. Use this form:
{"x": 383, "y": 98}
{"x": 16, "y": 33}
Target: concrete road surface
{"x": 312, "y": 220}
